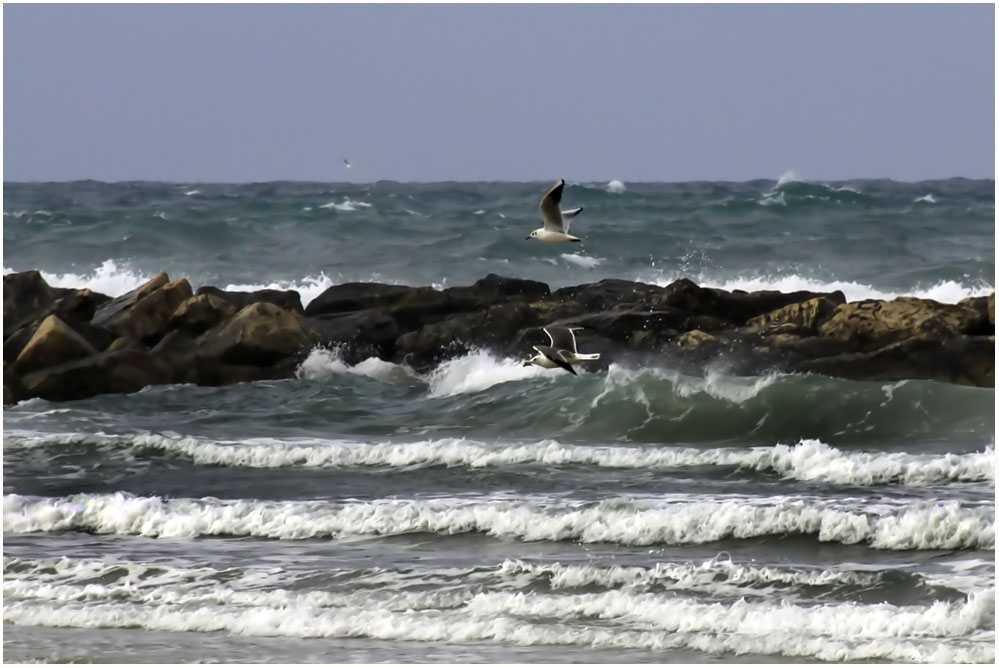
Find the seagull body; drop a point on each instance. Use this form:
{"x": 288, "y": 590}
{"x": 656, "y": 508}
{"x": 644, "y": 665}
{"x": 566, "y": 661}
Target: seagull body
{"x": 562, "y": 351}
{"x": 556, "y": 229}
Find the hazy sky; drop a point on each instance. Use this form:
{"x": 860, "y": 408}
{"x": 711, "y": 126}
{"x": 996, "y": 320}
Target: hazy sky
{"x": 497, "y": 92}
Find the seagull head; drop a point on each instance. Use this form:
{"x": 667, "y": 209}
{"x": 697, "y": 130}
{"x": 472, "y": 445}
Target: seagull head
{"x": 532, "y": 235}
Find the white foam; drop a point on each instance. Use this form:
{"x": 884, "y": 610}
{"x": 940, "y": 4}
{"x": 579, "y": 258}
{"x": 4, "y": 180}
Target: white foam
{"x": 477, "y": 371}
{"x": 615, "y": 186}
{"x": 773, "y": 199}
{"x": 789, "y": 176}
{"x": 189, "y": 193}
{"x": 808, "y": 460}
{"x": 944, "y": 525}
{"x": 308, "y": 288}
{"x": 928, "y": 198}
{"x": 698, "y": 576}
{"x": 324, "y": 363}
{"x": 346, "y": 205}
{"x": 941, "y": 632}
{"x": 947, "y": 292}
{"x": 584, "y": 261}
{"x": 479, "y": 212}
{"x": 734, "y": 389}
{"x": 112, "y": 278}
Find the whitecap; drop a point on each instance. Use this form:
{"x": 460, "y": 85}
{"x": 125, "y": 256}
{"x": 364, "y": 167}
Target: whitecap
{"x": 584, "y": 261}
{"x": 928, "y": 198}
{"x": 477, "y": 371}
{"x": 615, "y": 186}
{"x": 346, "y": 205}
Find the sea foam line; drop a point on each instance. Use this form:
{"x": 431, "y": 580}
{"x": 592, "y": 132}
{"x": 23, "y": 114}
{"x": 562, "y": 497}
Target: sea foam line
{"x": 809, "y": 459}
{"x": 945, "y": 525}
{"x": 830, "y": 632}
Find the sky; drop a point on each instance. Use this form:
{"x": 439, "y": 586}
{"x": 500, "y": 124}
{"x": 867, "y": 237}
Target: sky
{"x": 497, "y": 92}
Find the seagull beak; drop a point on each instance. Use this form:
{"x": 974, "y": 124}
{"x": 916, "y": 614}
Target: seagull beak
{"x": 527, "y": 237}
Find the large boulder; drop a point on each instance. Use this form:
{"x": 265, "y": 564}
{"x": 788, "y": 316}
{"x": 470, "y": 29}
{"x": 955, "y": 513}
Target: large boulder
{"x": 75, "y": 308}
{"x": 54, "y": 342}
{"x": 874, "y": 323}
{"x": 358, "y": 335}
{"x": 359, "y": 296}
{"x": 118, "y": 371}
{"x": 24, "y": 293}
{"x": 803, "y": 316}
{"x": 986, "y": 307}
{"x": 737, "y": 307}
{"x": 966, "y": 360}
{"x": 610, "y": 294}
{"x": 260, "y": 334}
{"x": 198, "y": 314}
{"x": 490, "y": 328}
{"x": 144, "y": 313}
{"x": 287, "y": 299}
{"x": 497, "y": 286}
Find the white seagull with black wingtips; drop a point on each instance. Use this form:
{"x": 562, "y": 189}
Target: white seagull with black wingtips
{"x": 562, "y": 352}
{"x": 556, "y": 229}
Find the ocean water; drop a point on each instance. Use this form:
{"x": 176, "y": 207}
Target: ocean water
{"x": 486, "y": 511}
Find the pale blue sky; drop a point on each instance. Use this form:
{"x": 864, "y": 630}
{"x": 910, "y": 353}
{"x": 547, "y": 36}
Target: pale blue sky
{"x": 497, "y": 92}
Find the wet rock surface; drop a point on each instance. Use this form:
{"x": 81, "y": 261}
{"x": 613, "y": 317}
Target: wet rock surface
{"x": 64, "y": 343}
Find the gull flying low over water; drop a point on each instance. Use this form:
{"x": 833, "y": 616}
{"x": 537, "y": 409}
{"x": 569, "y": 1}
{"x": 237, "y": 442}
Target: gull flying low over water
{"x": 562, "y": 352}
{"x": 557, "y": 222}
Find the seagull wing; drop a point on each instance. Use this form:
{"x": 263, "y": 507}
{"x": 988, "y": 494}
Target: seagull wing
{"x": 562, "y": 338}
{"x": 550, "y": 211}
{"x": 567, "y": 217}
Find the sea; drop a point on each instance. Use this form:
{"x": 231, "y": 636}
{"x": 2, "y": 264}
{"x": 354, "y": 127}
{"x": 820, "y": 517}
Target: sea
{"x": 489, "y": 512}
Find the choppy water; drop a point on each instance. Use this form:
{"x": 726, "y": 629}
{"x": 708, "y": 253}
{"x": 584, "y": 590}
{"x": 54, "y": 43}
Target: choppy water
{"x": 491, "y": 512}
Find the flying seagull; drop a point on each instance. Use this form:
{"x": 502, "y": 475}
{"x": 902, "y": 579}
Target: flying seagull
{"x": 346, "y": 163}
{"x": 562, "y": 351}
{"x": 557, "y": 222}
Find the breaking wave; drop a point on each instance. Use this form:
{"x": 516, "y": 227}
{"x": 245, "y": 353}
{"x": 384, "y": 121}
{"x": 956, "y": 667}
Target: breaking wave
{"x": 945, "y": 525}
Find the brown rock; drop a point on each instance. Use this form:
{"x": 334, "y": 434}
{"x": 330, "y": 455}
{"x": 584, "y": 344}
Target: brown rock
{"x": 695, "y": 338}
{"x": 123, "y": 342}
{"x": 873, "y": 323}
{"x": 260, "y": 334}
{"x": 805, "y": 315}
{"x": 197, "y": 315}
{"x": 145, "y": 316}
{"x": 54, "y": 342}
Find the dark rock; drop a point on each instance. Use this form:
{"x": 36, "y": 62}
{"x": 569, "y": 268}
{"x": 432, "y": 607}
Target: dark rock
{"x": 119, "y": 371}
{"x": 608, "y": 294}
{"x": 502, "y": 286}
{"x": 966, "y": 360}
{"x": 359, "y": 296}
{"x": 289, "y": 300}
{"x": 197, "y": 315}
{"x": 359, "y": 335}
{"x": 986, "y": 308}
{"x": 24, "y": 293}
{"x": 260, "y": 334}
{"x": 490, "y": 328}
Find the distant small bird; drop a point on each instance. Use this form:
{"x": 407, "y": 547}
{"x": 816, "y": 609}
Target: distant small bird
{"x": 346, "y": 163}
{"x": 562, "y": 352}
{"x": 557, "y": 222}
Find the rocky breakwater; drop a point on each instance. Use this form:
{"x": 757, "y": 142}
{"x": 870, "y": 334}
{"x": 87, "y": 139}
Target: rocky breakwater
{"x": 64, "y": 343}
